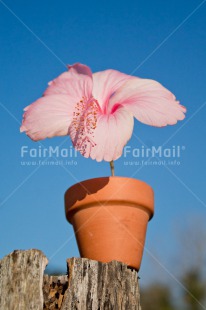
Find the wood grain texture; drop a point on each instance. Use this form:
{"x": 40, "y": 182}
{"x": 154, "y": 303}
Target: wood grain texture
{"x": 54, "y": 288}
{"x": 89, "y": 285}
{"x": 96, "y": 286}
{"x": 21, "y": 279}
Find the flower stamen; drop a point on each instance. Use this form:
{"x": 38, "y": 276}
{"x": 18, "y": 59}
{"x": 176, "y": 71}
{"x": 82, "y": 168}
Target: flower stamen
{"x": 84, "y": 124}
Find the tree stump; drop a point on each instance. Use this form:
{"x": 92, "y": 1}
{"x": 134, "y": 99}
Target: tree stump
{"x": 89, "y": 285}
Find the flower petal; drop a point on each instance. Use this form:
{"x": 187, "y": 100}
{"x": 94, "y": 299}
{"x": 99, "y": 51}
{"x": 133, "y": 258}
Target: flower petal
{"x": 49, "y": 116}
{"x": 75, "y": 82}
{"x": 112, "y": 134}
{"x": 107, "y": 138}
{"x": 105, "y": 83}
{"x": 149, "y": 101}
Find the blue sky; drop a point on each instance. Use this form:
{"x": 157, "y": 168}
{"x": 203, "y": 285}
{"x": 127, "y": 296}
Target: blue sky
{"x": 161, "y": 40}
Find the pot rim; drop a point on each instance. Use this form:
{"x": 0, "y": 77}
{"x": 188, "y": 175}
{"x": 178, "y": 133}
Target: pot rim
{"x": 110, "y": 177}
{"x": 79, "y": 196}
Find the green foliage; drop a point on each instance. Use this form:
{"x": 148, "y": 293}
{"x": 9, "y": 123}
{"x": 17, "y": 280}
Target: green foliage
{"x": 196, "y": 290}
{"x": 156, "y": 297}
{"x": 159, "y": 296}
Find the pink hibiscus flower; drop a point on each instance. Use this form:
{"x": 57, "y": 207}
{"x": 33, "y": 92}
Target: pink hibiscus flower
{"x": 97, "y": 110}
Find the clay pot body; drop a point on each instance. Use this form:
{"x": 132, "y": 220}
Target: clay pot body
{"x": 109, "y": 216}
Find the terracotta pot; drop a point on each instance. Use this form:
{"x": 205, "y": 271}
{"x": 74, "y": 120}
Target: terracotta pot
{"x": 109, "y": 216}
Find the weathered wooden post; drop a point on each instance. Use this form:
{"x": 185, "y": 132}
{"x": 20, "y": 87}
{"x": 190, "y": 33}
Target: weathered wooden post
{"x": 21, "y": 280}
{"x": 89, "y": 285}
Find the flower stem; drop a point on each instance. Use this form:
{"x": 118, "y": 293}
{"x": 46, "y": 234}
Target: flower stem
{"x": 112, "y": 167}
